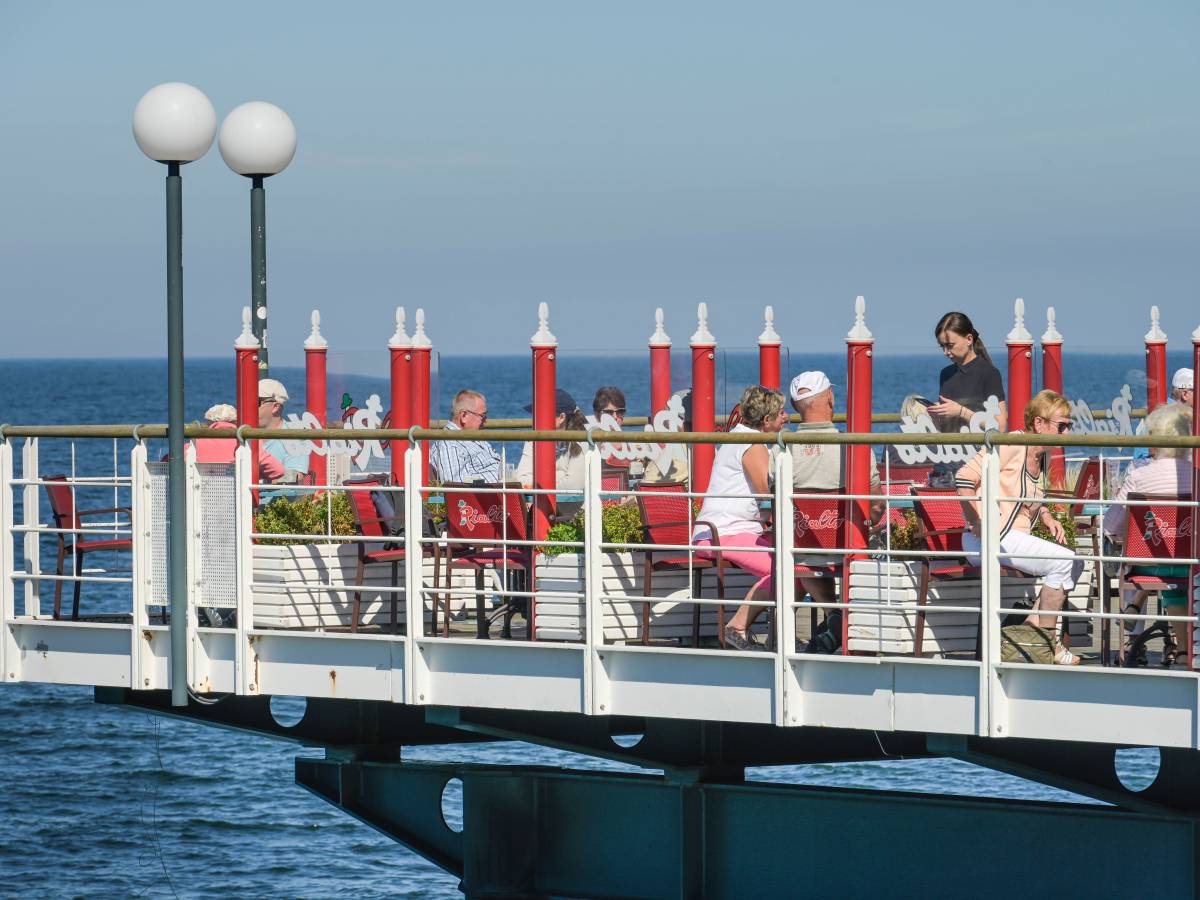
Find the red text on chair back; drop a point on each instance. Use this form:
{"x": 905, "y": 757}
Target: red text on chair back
{"x": 940, "y": 510}
{"x": 666, "y": 512}
{"x": 1156, "y": 530}
{"x": 818, "y": 521}
{"x": 484, "y": 515}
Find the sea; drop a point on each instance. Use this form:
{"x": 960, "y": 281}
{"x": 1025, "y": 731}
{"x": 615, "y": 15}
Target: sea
{"x": 99, "y": 801}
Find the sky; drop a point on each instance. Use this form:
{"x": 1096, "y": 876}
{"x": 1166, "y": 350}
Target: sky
{"x": 475, "y": 159}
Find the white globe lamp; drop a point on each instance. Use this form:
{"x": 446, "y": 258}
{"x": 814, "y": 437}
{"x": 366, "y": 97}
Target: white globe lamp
{"x": 258, "y": 140}
{"x": 174, "y": 123}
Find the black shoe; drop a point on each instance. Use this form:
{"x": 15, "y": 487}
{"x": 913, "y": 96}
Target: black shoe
{"x": 737, "y": 640}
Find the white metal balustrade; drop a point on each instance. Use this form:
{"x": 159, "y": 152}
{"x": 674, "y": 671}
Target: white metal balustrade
{"x": 596, "y": 673}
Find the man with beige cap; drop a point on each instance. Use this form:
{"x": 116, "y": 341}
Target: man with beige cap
{"x": 272, "y": 396}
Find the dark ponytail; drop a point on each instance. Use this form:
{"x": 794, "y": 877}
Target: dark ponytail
{"x": 959, "y": 323}
{"x": 575, "y": 422}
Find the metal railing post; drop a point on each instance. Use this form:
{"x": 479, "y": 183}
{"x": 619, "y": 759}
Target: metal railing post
{"x": 990, "y": 704}
{"x": 31, "y": 515}
{"x": 9, "y": 657}
{"x": 593, "y": 580}
{"x": 243, "y": 655}
{"x": 195, "y": 528}
{"x": 139, "y": 496}
{"x": 787, "y": 687}
{"x": 414, "y": 577}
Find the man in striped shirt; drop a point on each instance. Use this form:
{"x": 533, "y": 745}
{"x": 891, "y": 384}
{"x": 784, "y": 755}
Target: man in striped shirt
{"x": 468, "y": 461}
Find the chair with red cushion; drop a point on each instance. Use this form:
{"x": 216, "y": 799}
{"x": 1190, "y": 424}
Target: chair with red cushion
{"x": 1155, "y": 529}
{"x": 942, "y": 526}
{"x": 613, "y": 478}
{"x": 66, "y": 516}
{"x": 819, "y": 524}
{"x": 478, "y": 517}
{"x": 667, "y": 519}
{"x": 368, "y": 523}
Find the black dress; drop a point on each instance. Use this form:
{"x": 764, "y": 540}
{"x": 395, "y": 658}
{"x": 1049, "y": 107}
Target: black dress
{"x": 971, "y": 384}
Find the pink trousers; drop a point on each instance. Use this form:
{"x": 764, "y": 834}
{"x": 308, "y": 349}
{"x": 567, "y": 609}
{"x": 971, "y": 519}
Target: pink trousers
{"x": 755, "y": 562}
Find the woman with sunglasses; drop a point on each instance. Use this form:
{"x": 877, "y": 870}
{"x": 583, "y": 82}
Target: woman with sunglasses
{"x": 1021, "y": 470}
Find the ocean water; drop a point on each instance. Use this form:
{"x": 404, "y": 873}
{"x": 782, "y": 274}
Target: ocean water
{"x": 100, "y": 801}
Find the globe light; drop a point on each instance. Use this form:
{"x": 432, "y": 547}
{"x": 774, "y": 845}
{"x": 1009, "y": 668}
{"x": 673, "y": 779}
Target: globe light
{"x": 257, "y": 138}
{"x": 174, "y": 122}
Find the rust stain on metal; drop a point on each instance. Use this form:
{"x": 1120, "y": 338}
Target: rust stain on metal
{"x": 333, "y": 681}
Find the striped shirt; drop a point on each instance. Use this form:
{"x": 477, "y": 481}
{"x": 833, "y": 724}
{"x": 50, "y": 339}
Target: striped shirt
{"x": 1162, "y": 475}
{"x": 464, "y": 460}
{"x": 1015, "y": 481}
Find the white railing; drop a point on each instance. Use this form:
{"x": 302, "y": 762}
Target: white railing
{"x": 606, "y": 663}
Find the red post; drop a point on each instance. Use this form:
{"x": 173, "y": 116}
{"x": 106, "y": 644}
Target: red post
{"x": 1195, "y": 570}
{"x": 859, "y": 350}
{"x": 246, "y": 379}
{"x": 1020, "y": 366}
{"x": 400, "y": 348}
{"x": 1156, "y": 363}
{"x": 316, "y": 351}
{"x": 660, "y": 367}
{"x": 769, "y": 343}
{"x": 704, "y": 389}
{"x": 544, "y": 346}
{"x": 422, "y": 348}
{"x": 1052, "y": 379}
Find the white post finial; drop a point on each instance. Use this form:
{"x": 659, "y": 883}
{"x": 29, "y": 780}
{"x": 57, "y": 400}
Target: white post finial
{"x": 400, "y": 340}
{"x": 246, "y": 340}
{"x": 1051, "y": 335}
{"x": 420, "y": 339}
{"x": 1196, "y": 335}
{"x": 660, "y": 338}
{"x": 860, "y": 331}
{"x": 1155, "y": 335}
{"x": 315, "y": 340}
{"x": 1019, "y": 334}
{"x": 703, "y": 337}
{"x": 769, "y": 334}
{"x": 543, "y": 337}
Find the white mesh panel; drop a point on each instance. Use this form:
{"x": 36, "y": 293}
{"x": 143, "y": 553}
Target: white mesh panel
{"x": 159, "y": 544}
{"x": 218, "y": 535}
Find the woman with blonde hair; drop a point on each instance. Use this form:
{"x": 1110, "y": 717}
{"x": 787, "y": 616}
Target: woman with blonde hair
{"x": 1168, "y": 472}
{"x": 730, "y": 516}
{"x": 1021, "y": 471}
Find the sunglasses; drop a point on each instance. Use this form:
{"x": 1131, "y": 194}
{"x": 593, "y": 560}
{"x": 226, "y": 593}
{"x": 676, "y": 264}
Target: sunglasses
{"x": 1061, "y": 427}
{"x": 618, "y": 411}
{"x": 482, "y": 416}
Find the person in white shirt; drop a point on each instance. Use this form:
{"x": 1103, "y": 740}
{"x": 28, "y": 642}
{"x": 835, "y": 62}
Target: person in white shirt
{"x": 739, "y": 471}
{"x": 465, "y": 461}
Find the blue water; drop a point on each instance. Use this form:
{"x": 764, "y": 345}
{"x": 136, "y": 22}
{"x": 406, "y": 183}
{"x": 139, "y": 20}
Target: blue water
{"x": 99, "y": 801}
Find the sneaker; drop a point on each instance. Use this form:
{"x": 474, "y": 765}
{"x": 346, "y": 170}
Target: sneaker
{"x": 738, "y": 640}
{"x": 1064, "y": 657}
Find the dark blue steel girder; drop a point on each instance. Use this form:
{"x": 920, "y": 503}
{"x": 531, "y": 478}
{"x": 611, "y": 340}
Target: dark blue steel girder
{"x": 536, "y": 832}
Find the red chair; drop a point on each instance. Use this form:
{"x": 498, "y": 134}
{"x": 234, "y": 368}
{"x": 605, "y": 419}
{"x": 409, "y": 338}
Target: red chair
{"x": 476, "y": 519}
{"x": 1155, "y": 530}
{"x": 667, "y": 519}
{"x": 66, "y": 516}
{"x": 907, "y": 472}
{"x": 614, "y": 478}
{"x": 942, "y": 525}
{"x": 369, "y": 523}
{"x": 819, "y": 524}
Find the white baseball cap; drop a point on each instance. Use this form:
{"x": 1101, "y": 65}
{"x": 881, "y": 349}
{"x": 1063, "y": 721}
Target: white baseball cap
{"x": 270, "y": 389}
{"x": 1184, "y": 379}
{"x": 808, "y": 384}
{"x": 222, "y": 412}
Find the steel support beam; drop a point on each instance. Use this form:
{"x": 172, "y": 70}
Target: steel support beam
{"x": 530, "y": 832}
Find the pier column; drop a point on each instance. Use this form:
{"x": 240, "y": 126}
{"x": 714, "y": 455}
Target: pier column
{"x": 704, "y": 380}
{"x": 544, "y": 347}
{"x": 859, "y": 364}
{"x": 316, "y": 353}
{"x": 246, "y": 378}
{"x": 769, "y": 343}
{"x": 660, "y": 367}
{"x": 422, "y": 349}
{"x": 1156, "y": 363}
{"x": 1052, "y": 379}
{"x": 400, "y": 348}
{"x": 1020, "y": 365}
{"x": 1195, "y": 570}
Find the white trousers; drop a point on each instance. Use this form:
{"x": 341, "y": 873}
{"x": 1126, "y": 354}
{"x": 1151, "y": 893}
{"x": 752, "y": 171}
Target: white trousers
{"x": 1018, "y": 549}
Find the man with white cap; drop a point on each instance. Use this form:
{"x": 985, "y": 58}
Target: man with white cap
{"x": 821, "y": 467}
{"x": 1182, "y": 386}
{"x": 272, "y": 395}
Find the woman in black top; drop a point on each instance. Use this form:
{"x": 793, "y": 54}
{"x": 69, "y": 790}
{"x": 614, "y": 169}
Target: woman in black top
{"x": 969, "y": 380}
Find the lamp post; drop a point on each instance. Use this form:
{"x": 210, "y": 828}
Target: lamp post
{"x": 258, "y": 140}
{"x": 174, "y": 123}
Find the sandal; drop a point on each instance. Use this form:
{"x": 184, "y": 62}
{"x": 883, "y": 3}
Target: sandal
{"x": 1064, "y": 657}
{"x": 1170, "y": 652}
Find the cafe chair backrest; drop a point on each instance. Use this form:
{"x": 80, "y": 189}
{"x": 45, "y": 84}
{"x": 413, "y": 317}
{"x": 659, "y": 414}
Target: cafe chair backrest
{"x": 1157, "y": 530}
